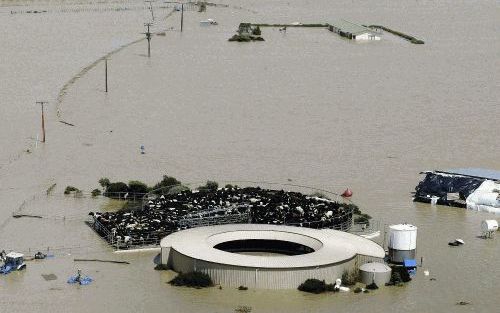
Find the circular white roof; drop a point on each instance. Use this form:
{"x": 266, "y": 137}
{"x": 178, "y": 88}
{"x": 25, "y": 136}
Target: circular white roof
{"x": 330, "y": 246}
{"x": 403, "y": 227}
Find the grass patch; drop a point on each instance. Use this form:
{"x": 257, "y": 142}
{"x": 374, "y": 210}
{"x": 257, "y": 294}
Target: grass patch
{"x": 114, "y": 205}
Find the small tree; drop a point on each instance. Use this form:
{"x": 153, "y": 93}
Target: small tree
{"x": 313, "y": 286}
{"x": 193, "y": 279}
{"x": 210, "y": 186}
{"x": 96, "y": 192}
{"x": 167, "y": 181}
{"x": 70, "y": 189}
{"x": 104, "y": 182}
{"x": 137, "y": 187}
{"x": 114, "y": 189}
{"x": 349, "y": 278}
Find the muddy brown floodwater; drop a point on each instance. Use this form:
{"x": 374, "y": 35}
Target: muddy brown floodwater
{"x": 304, "y": 106}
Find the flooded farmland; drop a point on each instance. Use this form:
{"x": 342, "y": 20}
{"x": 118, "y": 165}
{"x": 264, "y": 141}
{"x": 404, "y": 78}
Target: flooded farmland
{"x": 305, "y": 106}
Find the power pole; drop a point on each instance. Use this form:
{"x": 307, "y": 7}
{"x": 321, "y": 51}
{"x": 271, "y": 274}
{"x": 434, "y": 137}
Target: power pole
{"x": 151, "y": 8}
{"x": 43, "y": 119}
{"x": 148, "y": 37}
{"x": 106, "y": 73}
{"x": 182, "y": 15}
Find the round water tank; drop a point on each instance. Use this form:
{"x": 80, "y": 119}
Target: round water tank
{"x": 489, "y": 225}
{"x": 403, "y": 237}
{"x": 375, "y": 272}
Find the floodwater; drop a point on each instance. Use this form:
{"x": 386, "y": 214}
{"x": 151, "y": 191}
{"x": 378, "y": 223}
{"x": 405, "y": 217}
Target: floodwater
{"x": 305, "y": 107}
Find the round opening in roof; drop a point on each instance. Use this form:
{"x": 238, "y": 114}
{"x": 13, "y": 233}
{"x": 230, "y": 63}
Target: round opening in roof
{"x": 262, "y": 247}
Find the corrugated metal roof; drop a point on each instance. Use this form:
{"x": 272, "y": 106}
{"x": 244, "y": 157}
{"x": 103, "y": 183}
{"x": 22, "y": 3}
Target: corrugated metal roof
{"x": 350, "y": 27}
{"x": 474, "y": 172}
{"x": 330, "y": 246}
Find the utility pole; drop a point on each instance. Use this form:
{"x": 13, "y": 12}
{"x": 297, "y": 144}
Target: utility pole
{"x": 106, "y": 73}
{"x": 148, "y": 37}
{"x": 182, "y": 11}
{"x": 43, "y": 119}
{"x": 182, "y": 15}
{"x": 151, "y": 8}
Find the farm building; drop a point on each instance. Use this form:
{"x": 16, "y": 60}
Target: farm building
{"x": 353, "y": 31}
{"x": 267, "y": 256}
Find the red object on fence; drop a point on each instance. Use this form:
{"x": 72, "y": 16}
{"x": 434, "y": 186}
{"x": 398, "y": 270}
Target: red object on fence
{"x": 347, "y": 193}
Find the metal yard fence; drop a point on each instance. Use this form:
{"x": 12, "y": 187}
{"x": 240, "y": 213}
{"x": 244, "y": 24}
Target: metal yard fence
{"x": 153, "y": 240}
{"x": 342, "y": 222}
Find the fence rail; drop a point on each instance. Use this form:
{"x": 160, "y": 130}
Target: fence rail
{"x": 153, "y": 240}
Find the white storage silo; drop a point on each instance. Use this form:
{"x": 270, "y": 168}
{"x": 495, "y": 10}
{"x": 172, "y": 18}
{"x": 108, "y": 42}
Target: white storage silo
{"x": 402, "y": 242}
{"x": 377, "y": 273}
{"x": 488, "y": 227}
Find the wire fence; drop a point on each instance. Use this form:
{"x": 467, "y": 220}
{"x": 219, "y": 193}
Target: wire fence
{"x": 136, "y": 201}
{"x": 152, "y": 240}
{"x": 103, "y": 8}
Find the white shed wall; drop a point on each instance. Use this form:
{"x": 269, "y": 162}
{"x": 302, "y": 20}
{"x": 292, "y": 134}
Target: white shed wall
{"x": 367, "y": 36}
{"x": 257, "y": 278}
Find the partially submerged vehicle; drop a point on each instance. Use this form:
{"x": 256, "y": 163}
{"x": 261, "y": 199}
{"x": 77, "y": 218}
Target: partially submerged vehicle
{"x": 13, "y": 261}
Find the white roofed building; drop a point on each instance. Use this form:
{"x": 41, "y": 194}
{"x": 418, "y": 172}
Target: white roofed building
{"x": 353, "y": 31}
{"x": 267, "y": 256}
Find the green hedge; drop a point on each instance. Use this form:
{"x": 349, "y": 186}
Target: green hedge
{"x": 192, "y": 279}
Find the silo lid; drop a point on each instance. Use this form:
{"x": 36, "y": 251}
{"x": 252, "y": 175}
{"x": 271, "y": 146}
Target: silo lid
{"x": 403, "y": 227}
{"x": 375, "y": 267}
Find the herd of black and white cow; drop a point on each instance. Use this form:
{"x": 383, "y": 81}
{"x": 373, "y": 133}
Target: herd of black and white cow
{"x": 170, "y": 213}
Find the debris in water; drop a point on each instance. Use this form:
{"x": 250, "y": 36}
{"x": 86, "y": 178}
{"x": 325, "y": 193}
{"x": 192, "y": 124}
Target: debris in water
{"x": 457, "y": 242}
{"x": 243, "y": 309}
{"x": 48, "y": 277}
{"x": 104, "y": 261}
{"x": 79, "y": 279}
{"x": 463, "y": 303}
{"x": 66, "y": 123}
{"x": 40, "y": 256}
{"x": 14, "y": 215}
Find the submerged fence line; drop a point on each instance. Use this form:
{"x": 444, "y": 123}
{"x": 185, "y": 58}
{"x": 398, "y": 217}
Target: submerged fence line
{"x": 60, "y": 250}
{"x": 63, "y": 91}
{"x": 92, "y": 8}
